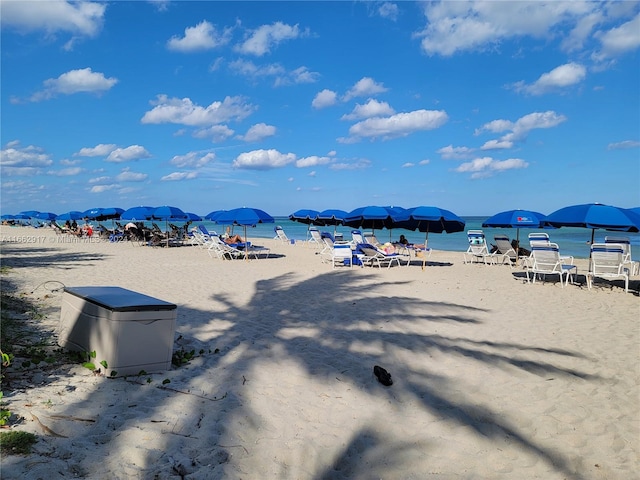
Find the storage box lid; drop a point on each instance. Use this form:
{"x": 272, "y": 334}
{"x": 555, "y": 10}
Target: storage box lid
{"x": 119, "y": 299}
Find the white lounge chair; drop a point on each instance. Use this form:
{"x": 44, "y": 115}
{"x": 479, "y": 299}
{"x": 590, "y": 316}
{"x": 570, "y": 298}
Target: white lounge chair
{"x": 280, "y": 235}
{"x": 625, "y": 242}
{"x": 222, "y": 250}
{"x": 356, "y": 237}
{"x": 607, "y": 261}
{"x": 342, "y": 255}
{"x": 477, "y": 250}
{"x": 315, "y": 237}
{"x": 371, "y": 239}
{"x": 505, "y": 250}
{"x": 545, "y": 260}
{"x": 374, "y": 256}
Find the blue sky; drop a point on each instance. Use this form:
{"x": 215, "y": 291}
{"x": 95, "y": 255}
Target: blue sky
{"x": 476, "y": 107}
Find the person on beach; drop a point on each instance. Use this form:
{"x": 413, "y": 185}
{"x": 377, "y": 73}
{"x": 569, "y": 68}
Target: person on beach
{"x": 229, "y": 240}
{"x": 403, "y": 240}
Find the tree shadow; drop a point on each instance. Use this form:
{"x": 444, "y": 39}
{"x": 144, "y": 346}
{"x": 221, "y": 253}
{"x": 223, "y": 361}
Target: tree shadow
{"x": 313, "y": 324}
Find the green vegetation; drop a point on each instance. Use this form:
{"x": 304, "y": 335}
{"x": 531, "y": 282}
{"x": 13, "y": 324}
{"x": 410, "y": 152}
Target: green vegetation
{"x": 16, "y": 443}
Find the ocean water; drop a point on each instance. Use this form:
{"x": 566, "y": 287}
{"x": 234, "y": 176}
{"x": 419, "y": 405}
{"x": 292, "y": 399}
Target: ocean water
{"x": 572, "y": 241}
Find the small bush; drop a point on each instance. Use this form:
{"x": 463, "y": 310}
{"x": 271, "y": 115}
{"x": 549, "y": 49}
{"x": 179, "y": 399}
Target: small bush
{"x": 16, "y": 443}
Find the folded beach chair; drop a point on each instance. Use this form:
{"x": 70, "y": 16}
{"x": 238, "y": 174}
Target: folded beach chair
{"x": 607, "y": 261}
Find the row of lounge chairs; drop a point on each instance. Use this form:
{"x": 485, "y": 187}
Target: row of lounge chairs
{"x": 217, "y": 248}
{"x": 609, "y": 260}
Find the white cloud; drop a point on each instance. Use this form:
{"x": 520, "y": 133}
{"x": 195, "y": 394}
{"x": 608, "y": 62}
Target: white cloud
{"x": 185, "y": 112}
{"x": 192, "y": 160}
{"x": 23, "y": 161}
{"x": 399, "y": 125}
{"x": 389, "y": 10}
{"x": 100, "y": 150}
{"x": 66, "y": 172}
{"x": 519, "y": 130}
{"x": 359, "y": 164}
{"x": 103, "y": 188}
{"x": 450, "y": 152}
{"x": 496, "y": 145}
{"x": 258, "y": 132}
{"x": 127, "y": 175}
{"x": 560, "y": 77}
{"x": 266, "y": 37}
{"x": 619, "y": 40}
{"x": 476, "y": 25}
{"x": 372, "y": 108}
{"x": 325, "y": 98}
{"x": 408, "y": 165}
{"x": 623, "y": 145}
{"x": 133, "y": 152}
{"x": 78, "y": 18}
{"x": 75, "y": 81}
{"x": 176, "y": 176}
{"x": 201, "y": 37}
{"x": 365, "y": 87}
{"x": 487, "y": 166}
{"x": 216, "y": 133}
{"x": 312, "y": 161}
{"x": 263, "y": 159}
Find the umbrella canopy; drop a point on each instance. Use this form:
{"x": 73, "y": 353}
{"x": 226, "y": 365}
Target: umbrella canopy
{"x": 30, "y": 213}
{"x": 72, "y": 215}
{"x": 245, "y": 217}
{"x": 46, "y": 216}
{"x": 101, "y": 214}
{"x": 213, "y": 215}
{"x": 432, "y": 219}
{"x": 595, "y": 216}
{"x": 375, "y": 217}
{"x": 305, "y": 216}
{"x": 330, "y": 217}
{"x": 137, "y": 214}
{"x": 192, "y": 217}
{"x": 167, "y": 212}
{"x": 515, "y": 219}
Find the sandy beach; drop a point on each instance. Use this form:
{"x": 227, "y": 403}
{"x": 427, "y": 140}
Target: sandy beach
{"x": 493, "y": 378}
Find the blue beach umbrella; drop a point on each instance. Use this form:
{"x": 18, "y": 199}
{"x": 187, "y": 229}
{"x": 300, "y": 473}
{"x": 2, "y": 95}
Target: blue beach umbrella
{"x": 331, "y": 216}
{"x": 515, "y": 219}
{"x": 169, "y": 214}
{"x": 244, "y": 217}
{"x": 192, "y": 217}
{"x": 595, "y": 216}
{"x": 30, "y": 213}
{"x": 137, "y": 214}
{"x": 72, "y": 215}
{"x": 305, "y": 215}
{"x": 374, "y": 217}
{"x": 213, "y": 215}
{"x": 432, "y": 219}
{"x": 46, "y": 216}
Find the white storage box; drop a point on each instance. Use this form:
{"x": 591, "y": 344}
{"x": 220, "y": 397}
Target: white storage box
{"x": 130, "y": 331}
